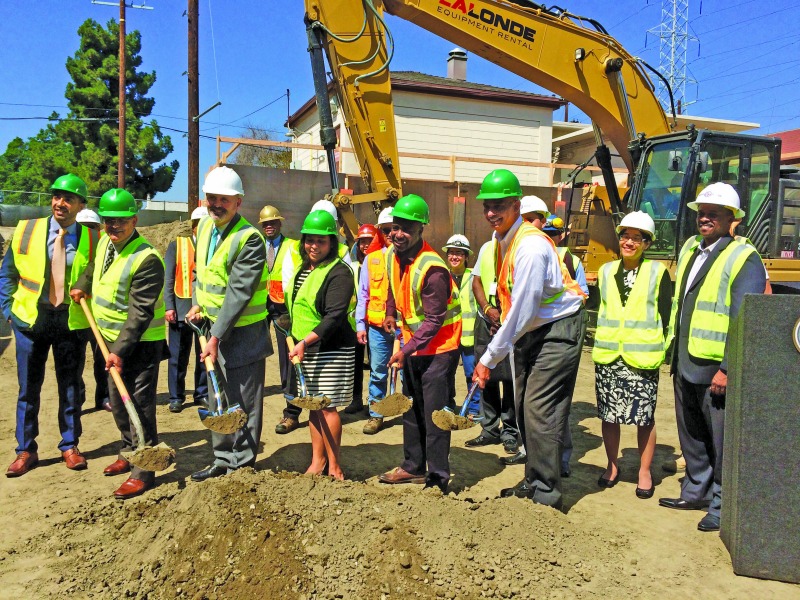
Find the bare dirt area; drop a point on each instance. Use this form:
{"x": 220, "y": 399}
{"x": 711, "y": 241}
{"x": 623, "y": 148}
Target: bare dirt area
{"x": 273, "y": 532}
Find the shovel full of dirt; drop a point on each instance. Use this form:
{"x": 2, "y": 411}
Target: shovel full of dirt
{"x": 450, "y": 421}
{"x": 395, "y": 403}
{"x": 304, "y": 400}
{"x": 226, "y": 418}
{"x": 147, "y": 458}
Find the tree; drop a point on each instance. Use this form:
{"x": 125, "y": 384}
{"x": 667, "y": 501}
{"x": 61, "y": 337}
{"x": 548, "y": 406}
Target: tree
{"x": 261, "y": 156}
{"x": 85, "y": 142}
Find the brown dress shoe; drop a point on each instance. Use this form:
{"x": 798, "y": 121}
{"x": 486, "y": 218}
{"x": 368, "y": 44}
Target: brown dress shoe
{"x": 74, "y": 459}
{"x": 24, "y": 462}
{"x": 399, "y": 475}
{"x": 130, "y": 488}
{"x": 118, "y": 467}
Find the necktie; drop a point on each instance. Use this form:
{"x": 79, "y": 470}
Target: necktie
{"x": 58, "y": 268}
{"x": 109, "y": 258}
{"x": 270, "y": 255}
{"x": 212, "y": 246}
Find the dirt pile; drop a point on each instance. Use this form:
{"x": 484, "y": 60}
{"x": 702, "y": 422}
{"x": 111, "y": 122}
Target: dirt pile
{"x": 162, "y": 234}
{"x": 265, "y": 535}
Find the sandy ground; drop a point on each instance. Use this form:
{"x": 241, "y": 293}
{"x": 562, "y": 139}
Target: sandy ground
{"x": 272, "y": 531}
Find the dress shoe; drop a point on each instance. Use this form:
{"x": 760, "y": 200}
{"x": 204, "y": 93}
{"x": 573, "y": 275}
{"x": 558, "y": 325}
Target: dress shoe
{"x": 353, "y": 408}
{"x": 399, "y": 475}
{"x": 74, "y": 459}
{"x": 24, "y": 462}
{"x": 510, "y": 446}
{"x": 520, "y": 458}
{"x": 481, "y": 440}
{"x": 101, "y": 405}
{"x": 202, "y": 401}
{"x": 709, "y": 523}
{"x": 645, "y": 494}
{"x": 130, "y": 488}
{"x": 175, "y": 406}
{"x": 521, "y": 490}
{"x": 373, "y": 426}
{"x": 608, "y": 483}
{"x": 118, "y": 467}
{"x": 286, "y": 425}
{"x": 435, "y": 482}
{"x": 681, "y": 504}
{"x": 209, "y": 473}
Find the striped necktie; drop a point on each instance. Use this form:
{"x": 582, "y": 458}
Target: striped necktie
{"x": 109, "y": 258}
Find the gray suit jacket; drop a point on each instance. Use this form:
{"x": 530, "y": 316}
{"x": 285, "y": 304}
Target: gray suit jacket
{"x": 750, "y": 280}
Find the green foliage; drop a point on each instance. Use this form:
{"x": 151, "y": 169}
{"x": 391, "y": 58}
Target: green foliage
{"x": 88, "y": 147}
{"x": 261, "y": 156}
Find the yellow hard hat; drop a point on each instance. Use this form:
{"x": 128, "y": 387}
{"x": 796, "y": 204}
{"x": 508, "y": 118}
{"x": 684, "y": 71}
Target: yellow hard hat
{"x": 269, "y": 213}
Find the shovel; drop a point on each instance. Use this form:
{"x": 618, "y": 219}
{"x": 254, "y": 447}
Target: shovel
{"x": 221, "y": 420}
{"x": 304, "y": 400}
{"x": 395, "y": 403}
{"x": 147, "y": 458}
{"x": 450, "y": 421}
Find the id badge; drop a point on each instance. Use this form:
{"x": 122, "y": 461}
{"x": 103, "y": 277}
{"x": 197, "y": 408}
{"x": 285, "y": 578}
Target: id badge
{"x": 493, "y": 289}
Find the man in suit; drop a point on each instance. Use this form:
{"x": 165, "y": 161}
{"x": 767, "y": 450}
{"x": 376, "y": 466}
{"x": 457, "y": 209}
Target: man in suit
{"x": 231, "y": 291}
{"x": 178, "y": 283}
{"x": 47, "y": 255}
{"x": 715, "y": 271}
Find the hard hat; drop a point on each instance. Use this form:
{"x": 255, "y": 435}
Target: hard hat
{"x": 319, "y": 222}
{"x": 722, "y": 194}
{"x": 198, "y": 213}
{"x": 367, "y": 231}
{"x": 638, "y": 220}
{"x": 500, "y": 183}
{"x": 269, "y": 213}
{"x": 458, "y": 242}
{"x": 327, "y": 206}
{"x": 531, "y": 204}
{"x": 553, "y": 225}
{"x": 411, "y": 207}
{"x": 117, "y": 202}
{"x": 87, "y": 216}
{"x": 223, "y": 181}
{"x": 385, "y": 218}
{"x": 70, "y": 183}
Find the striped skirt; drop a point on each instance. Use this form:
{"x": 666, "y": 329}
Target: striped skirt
{"x": 330, "y": 374}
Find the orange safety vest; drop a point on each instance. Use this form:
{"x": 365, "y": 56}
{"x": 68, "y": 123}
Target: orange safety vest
{"x": 407, "y": 292}
{"x": 505, "y": 281}
{"x": 184, "y": 266}
{"x": 378, "y": 288}
{"x": 276, "y": 275}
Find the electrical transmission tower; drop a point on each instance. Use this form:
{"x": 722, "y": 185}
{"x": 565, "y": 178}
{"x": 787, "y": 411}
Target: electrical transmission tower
{"x": 674, "y": 37}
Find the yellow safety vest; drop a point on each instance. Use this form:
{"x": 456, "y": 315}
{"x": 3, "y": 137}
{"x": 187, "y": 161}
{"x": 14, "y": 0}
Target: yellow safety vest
{"x": 302, "y": 308}
{"x": 30, "y": 259}
{"x": 488, "y": 268}
{"x": 110, "y": 291}
{"x": 275, "y": 276}
{"x": 469, "y": 310}
{"x": 634, "y": 331}
{"x": 184, "y": 266}
{"x": 710, "y": 317}
{"x": 212, "y": 278}
{"x": 378, "y": 288}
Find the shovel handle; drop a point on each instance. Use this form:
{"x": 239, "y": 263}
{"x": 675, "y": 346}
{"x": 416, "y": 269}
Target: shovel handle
{"x": 465, "y": 406}
{"x": 290, "y": 345}
{"x": 207, "y": 360}
{"x": 396, "y": 346}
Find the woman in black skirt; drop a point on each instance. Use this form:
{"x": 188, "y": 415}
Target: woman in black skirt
{"x": 629, "y": 348}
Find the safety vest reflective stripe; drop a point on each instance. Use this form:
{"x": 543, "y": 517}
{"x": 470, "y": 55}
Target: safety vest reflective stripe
{"x": 275, "y": 276}
{"x": 28, "y": 228}
{"x": 634, "y": 331}
{"x": 469, "y": 310}
{"x": 302, "y": 308}
{"x": 184, "y": 265}
{"x": 378, "y": 288}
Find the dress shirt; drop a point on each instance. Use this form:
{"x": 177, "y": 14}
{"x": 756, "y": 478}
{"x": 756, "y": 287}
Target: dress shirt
{"x": 703, "y": 253}
{"x": 70, "y": 240}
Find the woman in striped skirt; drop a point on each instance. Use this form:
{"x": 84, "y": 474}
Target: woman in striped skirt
{"x": 318, "y": 302}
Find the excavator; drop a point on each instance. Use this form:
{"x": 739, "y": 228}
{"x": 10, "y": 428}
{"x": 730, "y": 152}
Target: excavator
{"x": 576, "y": 58}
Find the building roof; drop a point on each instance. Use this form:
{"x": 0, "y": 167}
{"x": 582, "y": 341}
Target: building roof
{"x": 790, "y": 145}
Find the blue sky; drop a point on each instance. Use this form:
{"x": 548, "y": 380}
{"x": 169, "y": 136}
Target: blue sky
{"x": 746, "y": 61}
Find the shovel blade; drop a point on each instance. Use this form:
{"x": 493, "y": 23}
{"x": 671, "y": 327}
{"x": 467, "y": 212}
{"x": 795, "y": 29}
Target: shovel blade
{"x": 229, "y": 422}
{"x": 151, "y": 458}
{"x": 311, "y": 402}
{"x": 447, "y": 420}
{"x": 392, "y": 405}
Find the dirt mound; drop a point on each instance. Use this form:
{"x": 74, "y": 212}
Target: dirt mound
{"x": 162, "y": 234}
{"x": 263, "y": 535}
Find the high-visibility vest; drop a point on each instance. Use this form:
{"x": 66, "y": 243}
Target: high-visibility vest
{"x": 110, "y": 290}
{"x": 184, "y": 266}
{"x": 275, "y": 279}
{"x": 710, "y": 316}
{"x": 488, "y": 269}
{"x": 469, "y": 310}
{"x": 212, "y": 278}
{"x": 634, "y": 331}
{"x": 30, "y": 259}
{"x": 302, "y": 307}
{"x": 294, "y": 252}
{"x": 406, "y": 288}
{"x": 378, "y": 288}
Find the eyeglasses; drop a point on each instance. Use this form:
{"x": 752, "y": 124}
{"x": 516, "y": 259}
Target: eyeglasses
{"x": 386, "y": 230}
{"x": 116, "y": 221}
{"x": 629, "y": 238}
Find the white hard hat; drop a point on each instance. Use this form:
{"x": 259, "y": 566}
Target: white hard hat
{"x": 638, "y": 220}
{"x": 87, "y": 216}
{"x": 385, "y": 217}
{"x": 535, "y": 204}
{"x": 223, "y": 181}
{"x": 327, "y": 206}
{"x": 458, "y": 242}
{"x": 721, "y": 194}
{"x": 199, "y": 213}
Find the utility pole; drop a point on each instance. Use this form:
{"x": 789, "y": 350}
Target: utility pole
{"x": 194, "y": 108}
{"x": 121, "y": 148}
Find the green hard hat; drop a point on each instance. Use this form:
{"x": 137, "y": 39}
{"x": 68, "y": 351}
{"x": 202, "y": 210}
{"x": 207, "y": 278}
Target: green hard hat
{"x": 413, "y": 208}
{"x": 319, "y": 222}
{"x": 117, "y": 202}
{"x": 500, "y": 183}
{"x": 70, "y": 183}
